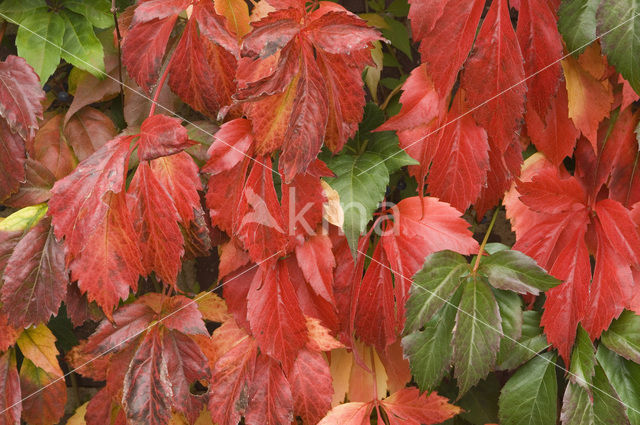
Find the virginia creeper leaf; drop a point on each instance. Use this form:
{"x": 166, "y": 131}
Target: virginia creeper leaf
{"x": 161, "y": 135}
{"x": 618, "y": 23}
{"x": 529, "y": 396}
{"x": 624, "y": 377}
{"x": 311, "y": 386}
{"x": 10, "y": 402}
{"x": 82, "y": 48}
{"x": 35, "y": 279}
{"x": 270, "y": 394}
{"x": 20, "y": 96}
{"x": 514, "y": 271}
{"x": 438, "y": 280}
{"x": 46, "y": 405}
{"x": 274, "y": 313}
{"x": 477, "y": 335}
{"x": 38, "y": 41}
{"x": 577, "y": 23}
{"x": 494, "y": 74}
{"x": 623, "y": 336}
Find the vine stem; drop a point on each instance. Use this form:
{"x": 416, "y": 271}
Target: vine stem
{"x": 156, "y": 95}
{"x": 114, "y": 12}
{"x": 485, "y": 240}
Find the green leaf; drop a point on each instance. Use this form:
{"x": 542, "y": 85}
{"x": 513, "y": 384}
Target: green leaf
{"x": 81, "y": 47}
{"x": 577, "y": 408}
{"x": 493, "y": 247}
{"x": 480, "y": 404}
{"x": 398, "y": 35}
{"x": 514, "y": 271}
{"x": 530, "y": 396}
{"x": 373, "y": 117}
{"x": 624, "y": 376}
{"x": 532, "y": 342}
{"x": 98, "y": 12}
{"x": 623, "y": 336}
{"x": 386, "y": 144}
{"x": 23, "y": 219}
{"x": 510, "y": 305}
{"x": 583, "y": 360}
{"x": 619, "y": 23}
{"x": 436, "y": 282}
{"x": 607, "y": 407}
{"x": 577, "y": 23}
{"x": 429, "y": 351}
{"x": 39, "y": 40}
{"x": 477, "y": 334}
{"x": 16, "y": 10}
{"x": 360, "y": 194}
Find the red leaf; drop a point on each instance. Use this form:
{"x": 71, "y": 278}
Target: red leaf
{"x": 179, "y": 176}
{"x": 12, "y": 160}
{"x": 291, "y": 102}
{"x": 35, "y": 279}
{"x": 612, "y": 286}
{"x": 619, "y": 229}
{"x": 459, "y": 168}
{"x": 231, "y": 144}
{"x": 356, "y": 413}
{"x": 51, "y": 149}
{"x": 302, "y": 205}
{"x": 345, "y": 95}
{"x": 340, "y": 32}
{"x": 493, "y": 78}
{"x": 161, "y": 135}
{"x": 147, "y": 391}
{"x": 542, "y": 48}
{"x": 274, "y": 313}
{"x": 143, "y": 48}
{"x": 186, "y": 364}
{"x": 270, "y": 396}
{"x": 445, "y": 37}
{"x": 232, "y": 375}
{"x": 36, "y": 189}
{"x": 553, "y": 133}
{"x": 88, "y": 208}
{"x": 548, "y": 193}
{"x": 311, "y": 386}
{"x": 8, "y": 335}
{"x": 376, "y": 321}
{"x": 111, "y": 267}
{"x": 224, "y": 190}
{"x": 129, "y": 321}
{"x": 88, "y": 130}
{"x": 317, "y": 262}
{"x": 20, "y": 96}
{"x": 10, "y": 399}
{"x": 409, "y": 407}
{"x": 158, "y": 9}
{"x": 156, "y": 223}
{"x": 48, "y": 395}
{"x": 201, "y": 72}
{"x": 260, "y": 225}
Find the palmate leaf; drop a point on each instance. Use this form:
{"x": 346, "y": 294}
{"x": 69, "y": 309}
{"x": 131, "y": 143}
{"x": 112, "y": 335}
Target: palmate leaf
{"x": 445, "y": 288}
{"x": 514, "y": 271}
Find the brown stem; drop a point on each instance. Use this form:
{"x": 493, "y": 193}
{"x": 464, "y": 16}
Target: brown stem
{"x": 114, "y": 12}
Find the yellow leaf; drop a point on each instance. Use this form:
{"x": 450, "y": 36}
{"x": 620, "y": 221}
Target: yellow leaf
{"x": 212, "y": 307}
{"x": 78, "y": 416}
{"x": 39, "y": 345}
{"x": 236, "y": 13}
{"x": 24, "y": 219}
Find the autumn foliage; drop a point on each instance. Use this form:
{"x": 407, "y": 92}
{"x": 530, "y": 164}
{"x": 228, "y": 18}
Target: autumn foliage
{"x": 278, "y": 212}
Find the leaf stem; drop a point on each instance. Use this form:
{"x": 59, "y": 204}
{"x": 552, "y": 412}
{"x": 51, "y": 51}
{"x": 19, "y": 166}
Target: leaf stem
{"x": 156, "y": 96}
{"x": 485, "y": 240}
{"x": 390, "y": 96}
